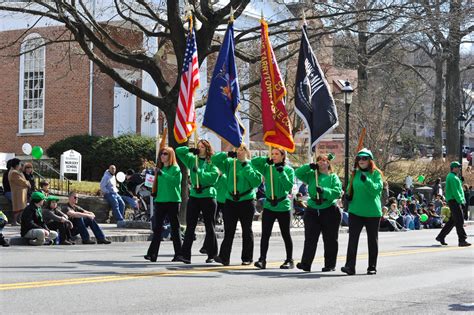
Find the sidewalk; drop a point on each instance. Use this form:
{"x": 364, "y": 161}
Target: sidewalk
{"x": 118, "y": 235}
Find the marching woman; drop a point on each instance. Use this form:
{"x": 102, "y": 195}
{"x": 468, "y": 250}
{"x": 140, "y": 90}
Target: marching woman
{"x": 202, "y": 197}
{"x": 365, "y": 209}
{"x": 167, "y": 193}
{"x": 240, "y": 203}
{"x": 279, "y": 179}
{"x": 322, "y": 216}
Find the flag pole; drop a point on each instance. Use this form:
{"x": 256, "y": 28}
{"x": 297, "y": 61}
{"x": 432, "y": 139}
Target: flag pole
{"x": 271, "y": 172}
{"x": 235, "y": 176}
{"x": 316, "y": 176}
{"x": 196, "y": 157}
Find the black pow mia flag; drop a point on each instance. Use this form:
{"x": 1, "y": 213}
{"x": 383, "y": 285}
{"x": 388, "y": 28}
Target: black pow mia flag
{"x": 313, "y": 100}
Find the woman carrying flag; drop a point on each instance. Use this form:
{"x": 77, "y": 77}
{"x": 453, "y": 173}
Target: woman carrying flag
{"x": 202, "y": 197}
{"x": 279, "y": 179}
{"x": 365, "y": 209}
{"x": 168, "y": 182}
{"x": 240, "y": 203}
{"x": 322, "y": 216}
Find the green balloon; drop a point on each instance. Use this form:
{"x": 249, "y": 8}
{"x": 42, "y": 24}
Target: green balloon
{"x": 37, "y": 152}
{"x": 424, "y": 217}
{"x": 421, "y": 178}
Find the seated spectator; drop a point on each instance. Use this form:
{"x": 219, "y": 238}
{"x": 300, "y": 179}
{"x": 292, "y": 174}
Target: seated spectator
{"x": 3, "y": 222}
{"x": 127, "y": 189}
{"x": 299, "y": 204}
{"x": 81, "y": 220}
{"x": 33, "y": 226}
{"x": 44, "y": 188}
{"x": 434, "y": 220}
{"x": 394, "y": 214}
{"x": 438, "y": 203}
{"x": 108, "y": 186}
{"x": 30, "y": 177}
{"x": 303, "y": 190}
{"x": 56, "y": 220}
{"x": 445, "y": 212}
{"x": 387, "y": 223}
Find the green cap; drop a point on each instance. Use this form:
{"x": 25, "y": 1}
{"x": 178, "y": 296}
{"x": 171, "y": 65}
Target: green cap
{"x": 37, "y": 196}
{"x": 52, "y": 198}
{"x": 366, "y": 152}
{"x": 455, "y": 164}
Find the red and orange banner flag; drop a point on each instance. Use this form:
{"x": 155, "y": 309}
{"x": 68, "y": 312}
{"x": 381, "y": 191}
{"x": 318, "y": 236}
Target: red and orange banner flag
{"x": 276, "y": 123}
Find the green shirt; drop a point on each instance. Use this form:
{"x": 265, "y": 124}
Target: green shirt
{"x": 169, "y": 184}
{"x": 453, "y": 190}
{"x": 247, "y": 177}
{"x": 207, "y": 173}
{"x": 282, "y": 184}
{"x": 366, "y": 199}
{"x": 330, "y": 183}
{"x": 221, "y": 188}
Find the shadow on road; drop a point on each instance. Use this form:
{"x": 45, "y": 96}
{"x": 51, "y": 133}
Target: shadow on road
{"x": 462, "y": 307}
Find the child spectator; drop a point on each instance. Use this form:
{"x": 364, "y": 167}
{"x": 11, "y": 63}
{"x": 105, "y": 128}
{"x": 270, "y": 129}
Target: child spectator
{"x": 33, "y": 226}
{"x": 445, "y": 212}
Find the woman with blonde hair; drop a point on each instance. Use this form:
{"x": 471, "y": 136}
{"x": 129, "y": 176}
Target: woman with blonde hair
{"x": 167, "y": 193}
{"x": 365, "y": 209}
{"x": 202, "y": 197}
{"x": 240, "y": 201}
{"x": 19, "y": 188}
{"x": 322, "y": 216}
{"x": 278, "y": 178}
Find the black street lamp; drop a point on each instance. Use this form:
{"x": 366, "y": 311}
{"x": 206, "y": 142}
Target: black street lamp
{"x": 461, "y": 123}
{"x": 347, "y": 90}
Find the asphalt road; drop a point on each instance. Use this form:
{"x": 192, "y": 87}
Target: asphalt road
{"x": 415, "y": 275}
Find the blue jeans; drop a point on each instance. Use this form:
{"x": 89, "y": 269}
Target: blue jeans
{"x": 130, "y": 201}
{"x": 117, "y": 204}
{"x": 81, "y": 225}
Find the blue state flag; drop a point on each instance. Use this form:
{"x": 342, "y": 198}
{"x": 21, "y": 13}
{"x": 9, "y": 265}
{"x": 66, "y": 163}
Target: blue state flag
{"x": 221, "y": 115}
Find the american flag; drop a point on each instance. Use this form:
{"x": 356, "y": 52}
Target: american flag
{"x": 185, "y": 122}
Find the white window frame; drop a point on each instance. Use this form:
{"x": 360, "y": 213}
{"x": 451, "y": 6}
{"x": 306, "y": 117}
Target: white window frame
{"x": 21, "y": 90}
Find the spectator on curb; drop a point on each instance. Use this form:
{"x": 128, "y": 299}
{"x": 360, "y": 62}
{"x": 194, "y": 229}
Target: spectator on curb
{"x": 44, "y": 188}
{"x": 3, "y": 222}
{"x": 445, "y": 212}
{"x": 57, "y": 221}
{"x": 33, "y": 226}
{"x": 434, "y": 220}
{"x": 438, "y": 204}
{"x": 19, "y": 189}
{"x": 81, "y": 220}
{"x": 30, "y": 177}
{"x": 108, "y": 187}
{"x": 6, "y": 183}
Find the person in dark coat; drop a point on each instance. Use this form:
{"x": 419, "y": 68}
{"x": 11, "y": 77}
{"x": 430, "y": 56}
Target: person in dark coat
{"x": 33, "y": 226}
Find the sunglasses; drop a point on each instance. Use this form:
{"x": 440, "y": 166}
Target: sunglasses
{"x": 362, "y": 158}
{"x": 76, "y": 197}
{"x": 164, "y": 153}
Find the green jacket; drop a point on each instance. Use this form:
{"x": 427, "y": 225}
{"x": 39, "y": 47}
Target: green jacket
{"x": 169, "y": 184}
{"x": 221, "y": 188}
{"x": 282, "y": 184}
{"x": 453, "y": 190}
{"x": 206, "y": 172}
{"x": 248, "y": 179}
{"x": 366, "y": 200}
{"x": 330, "y": 183}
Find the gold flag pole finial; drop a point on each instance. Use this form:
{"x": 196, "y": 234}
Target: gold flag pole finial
{"x": 304, "y": 17}
{"x": 261, "y": 16}
{"x": 231, "y": 18}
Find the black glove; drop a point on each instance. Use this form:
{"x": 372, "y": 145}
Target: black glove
{"x": 232, "y": 154}
{"x": 313, "y": 166}
{"x": 462, "y": 179}
{"x": 194, "y": 151}
{"x": 159, "y": 171}
{"x": 280, "y": 168}
{"x": 269, "y": 161}
{"x": 318, "y": 201}
{"x": 363, "y": 177}
{"x": 244, "y": 164}
{"x": 194, "y": 169}
{"x": 319, "y": 189}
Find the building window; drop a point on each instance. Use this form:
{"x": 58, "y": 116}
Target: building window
{"x": 31, "y": 105}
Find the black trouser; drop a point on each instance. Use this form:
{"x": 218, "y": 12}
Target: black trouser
{"x": 161, "y": 210}
{"x": 356, "y": 223}
{"x": 465, "y": 210}
{"x": 325, "y": 221}
{"x": 62, "y": 228}
{"x": 268, "y": 218}
{"x": 457, "y": 220}
{"x": 208, "y": 208}
{"x": 233, "y": 212}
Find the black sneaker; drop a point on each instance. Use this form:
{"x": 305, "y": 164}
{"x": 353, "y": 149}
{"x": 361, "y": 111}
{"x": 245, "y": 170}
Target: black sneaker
{"x": 151, "y": 258}
{"x": 103, "y": 241}
{"x": 184, "y": 260}
{"x": 175, "y": 259}
{"x": 219, "y": 260}
{"x": 348, "y": 270}
{"x": 246, "y": 263}
{"x": 464, "y": 244}
{"x": 88, "y": 242}
{"x": 261, "y": 264}
{"x": 441, "y": 240}
{"x": 303, "y": 266}
{"x": 371, "y": 271}
{"x": 327, "y": 269}
{"x": 288, "y": 264}
{"x": 210, "y": 260}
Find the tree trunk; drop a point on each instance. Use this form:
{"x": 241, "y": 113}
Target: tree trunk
{"x": 453, "y": 81}
{"x": 438, "y": 107}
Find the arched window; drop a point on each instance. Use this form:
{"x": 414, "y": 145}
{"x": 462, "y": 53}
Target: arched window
{"x": 32, "y": 65}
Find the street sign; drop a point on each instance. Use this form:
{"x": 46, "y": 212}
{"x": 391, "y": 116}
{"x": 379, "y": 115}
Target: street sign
{"x": 71, "y": 163}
